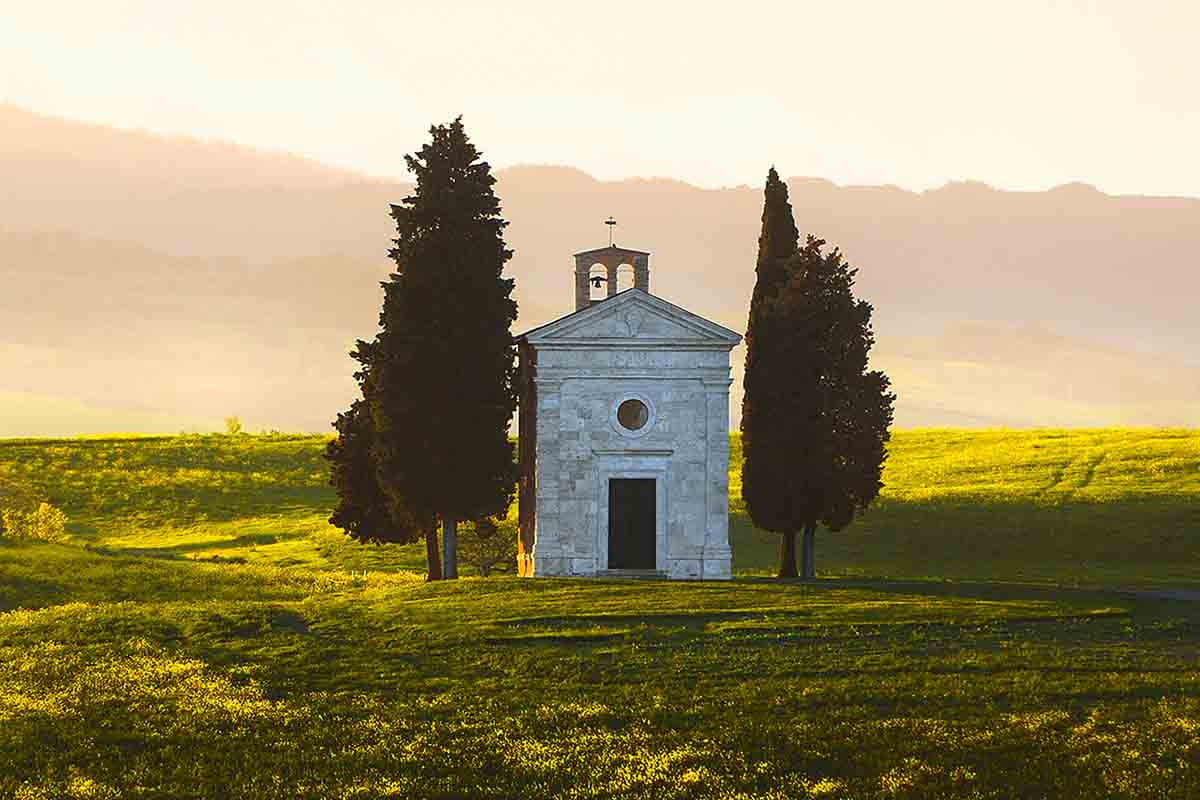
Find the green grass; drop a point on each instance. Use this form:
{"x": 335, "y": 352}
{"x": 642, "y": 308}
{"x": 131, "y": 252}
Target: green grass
{"x": 1073, "y": 507}
{"x": 951, "y": 656}
{"x": 1084, "y": 506}
{"x": 262, "y": 499}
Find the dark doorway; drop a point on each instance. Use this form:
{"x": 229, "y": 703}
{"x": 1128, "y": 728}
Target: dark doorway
{"x": 631, "y": 523}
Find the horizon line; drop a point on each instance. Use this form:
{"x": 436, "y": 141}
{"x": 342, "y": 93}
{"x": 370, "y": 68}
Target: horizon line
{"x": 356, "y": 175}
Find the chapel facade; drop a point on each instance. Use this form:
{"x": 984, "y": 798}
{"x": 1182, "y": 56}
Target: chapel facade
{"x": 624, "y": 432}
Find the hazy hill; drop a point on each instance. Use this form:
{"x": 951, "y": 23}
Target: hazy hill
{"x": 43, "y": 151}
{"x": 168, "y": 282}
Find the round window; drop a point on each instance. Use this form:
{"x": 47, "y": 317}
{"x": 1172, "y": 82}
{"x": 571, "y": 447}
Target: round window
{"x": 632, "y": 414}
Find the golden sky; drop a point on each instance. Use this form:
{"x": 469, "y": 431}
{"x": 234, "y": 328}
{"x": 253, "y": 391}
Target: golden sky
{"x": 1018, "y": 94}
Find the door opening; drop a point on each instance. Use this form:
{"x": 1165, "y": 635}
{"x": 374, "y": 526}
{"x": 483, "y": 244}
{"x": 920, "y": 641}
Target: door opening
{"x": 631, "y": 523}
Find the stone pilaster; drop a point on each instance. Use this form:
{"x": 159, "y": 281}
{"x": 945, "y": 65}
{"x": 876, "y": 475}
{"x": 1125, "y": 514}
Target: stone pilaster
{"x": 547, "y": 555}
{"x": 718, "y": 556}
{"x": 641, "y": 273}
{"x": 583, "y": 292}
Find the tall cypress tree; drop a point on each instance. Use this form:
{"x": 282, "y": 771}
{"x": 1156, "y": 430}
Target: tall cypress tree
{"x": 814, "y": 419}
{"x": 777, "y": 241}
{"x": 440, "y": 387}
{"x": 830, "y": 415}
{"x": 764, "y": 463}
{"x": 364, "y": 510}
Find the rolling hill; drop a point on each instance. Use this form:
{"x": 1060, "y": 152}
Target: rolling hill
{"x": 160, "y": 283}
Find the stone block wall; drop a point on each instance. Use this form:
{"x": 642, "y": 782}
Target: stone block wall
{"x": 581, "y": 446}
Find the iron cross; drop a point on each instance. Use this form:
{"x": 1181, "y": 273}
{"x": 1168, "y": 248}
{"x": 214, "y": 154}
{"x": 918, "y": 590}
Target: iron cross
{"x": 611, "y": 223}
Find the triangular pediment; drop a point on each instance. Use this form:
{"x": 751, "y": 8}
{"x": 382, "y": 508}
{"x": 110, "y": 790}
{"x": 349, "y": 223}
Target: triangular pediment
{"x": 611, "y": 250}
{"x": 635, "y": 317}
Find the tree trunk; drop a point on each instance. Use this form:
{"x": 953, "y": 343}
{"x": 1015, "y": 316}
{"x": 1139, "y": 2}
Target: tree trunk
{"x": 808, "y": 553}
{"x": 449, "y": 548}
{"x": 432, "y": 557}
{"x": 787, "y": 554}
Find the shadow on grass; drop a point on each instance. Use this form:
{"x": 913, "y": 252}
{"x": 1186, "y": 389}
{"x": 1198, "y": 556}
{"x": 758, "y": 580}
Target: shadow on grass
{"x": 693, "y": 620}
{"x": 21, "y": 592}
{"x": 1185, "y": 599}
{"x": 545, "y": 640}
{"x": 1130, "y": 539}
{"x": 997, "y": 591}
{"x": 179, "y": 551}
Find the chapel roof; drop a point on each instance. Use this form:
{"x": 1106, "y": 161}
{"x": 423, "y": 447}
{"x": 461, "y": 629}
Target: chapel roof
{"x": 611, "y": 249}
{"x": 706, "y": 329}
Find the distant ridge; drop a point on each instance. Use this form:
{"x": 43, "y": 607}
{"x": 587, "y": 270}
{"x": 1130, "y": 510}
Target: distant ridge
{"x": 201, "y": 279}
{"x": 37, "y": 148}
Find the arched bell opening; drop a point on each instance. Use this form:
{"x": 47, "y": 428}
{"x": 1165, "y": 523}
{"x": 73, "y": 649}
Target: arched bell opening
{"x": 625, "y": 277}
{"x": 598, "y": 282}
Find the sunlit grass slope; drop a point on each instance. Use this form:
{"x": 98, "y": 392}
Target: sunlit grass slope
{"x": 1092, "y": 506}
{"x": 262, "y": 499}
{"x": 137, "y": 666}
{"x": 1103, "y": 506}
{"x": 135, "y": 676}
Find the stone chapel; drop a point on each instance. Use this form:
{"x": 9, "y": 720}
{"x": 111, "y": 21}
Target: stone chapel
{"x": 624, "y": 432}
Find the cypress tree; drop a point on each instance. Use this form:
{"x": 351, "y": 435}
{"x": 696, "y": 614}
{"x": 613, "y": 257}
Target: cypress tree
{"x": 360, "y": 510}
{"x": 829, "y": 414}
{"x": 440, "y": 387}
{"x": 777, "y": 241}
{"x": 764, "y": 463}
{"x": 814, "y": 419}
{"x": 363, "y": 510}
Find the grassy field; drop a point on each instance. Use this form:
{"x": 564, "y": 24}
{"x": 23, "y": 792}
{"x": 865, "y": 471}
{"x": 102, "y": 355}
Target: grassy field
{"x": 1083, "y": 506}
{"x": 207, "y": 635}
{"x": 1077, "y": 507}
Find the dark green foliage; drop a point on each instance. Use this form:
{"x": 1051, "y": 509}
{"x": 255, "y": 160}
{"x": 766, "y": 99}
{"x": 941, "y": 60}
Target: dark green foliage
{"x": 489, "y": 545}
{"x": 15, "y": 496}
{"x": 778, "y": 239}
{"x": 366, "y": 508}
{"x": 362, "y": 508}
{"x": 440, "y": 380}
{"x": 776, "y": 243}
{"x": 832, "y": 414}
{"x": 815, "y": 420}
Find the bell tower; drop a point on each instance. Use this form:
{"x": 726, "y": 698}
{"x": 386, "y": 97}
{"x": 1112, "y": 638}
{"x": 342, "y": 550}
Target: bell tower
{"x": 611, "y": 259}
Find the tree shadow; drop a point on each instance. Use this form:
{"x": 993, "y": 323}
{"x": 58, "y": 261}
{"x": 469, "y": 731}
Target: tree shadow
{"x": 180, "y": 551}
{"x": 20, "y": 592}
{"x": 1134, "y": 538}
